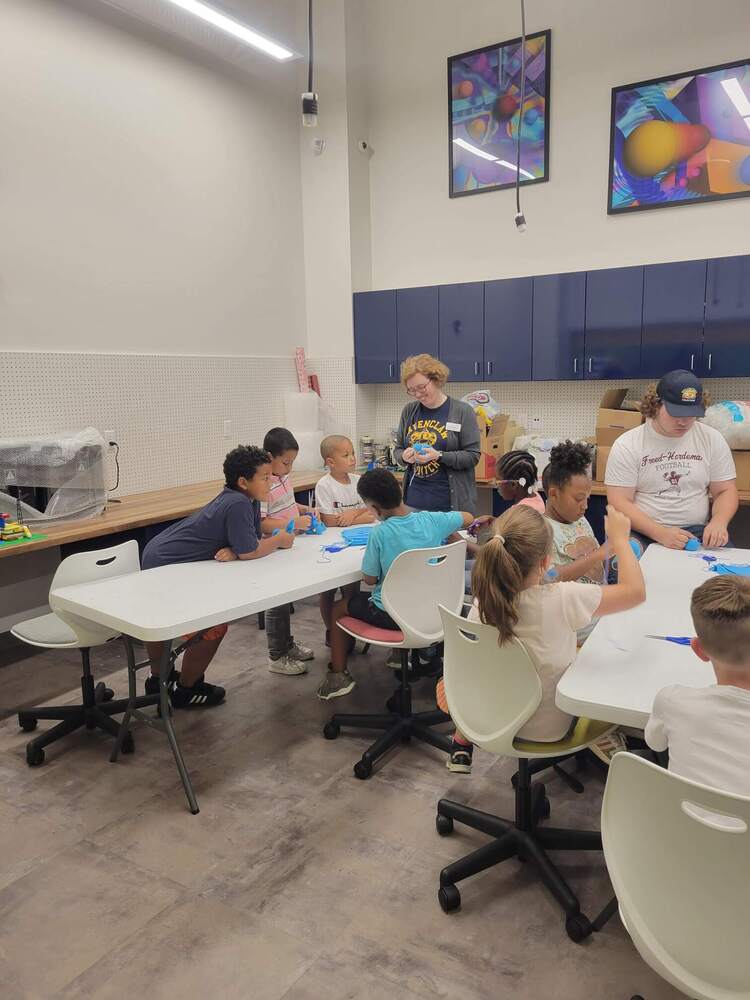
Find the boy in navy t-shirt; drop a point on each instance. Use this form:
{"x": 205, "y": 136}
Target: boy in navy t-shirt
{"x": 226, "y": 529}
{"x": 400, "y": 529}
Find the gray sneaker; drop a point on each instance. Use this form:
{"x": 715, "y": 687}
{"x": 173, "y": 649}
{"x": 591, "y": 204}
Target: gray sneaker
{"x": 299, "y": 652}
{"x": 287, "y": 665}
{"x": 336, "y": 685}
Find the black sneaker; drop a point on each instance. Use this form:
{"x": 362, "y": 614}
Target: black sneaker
{"x": 200, "y": 695}
{"x": 460, "y": 759}
{"x": 152, "y": 682}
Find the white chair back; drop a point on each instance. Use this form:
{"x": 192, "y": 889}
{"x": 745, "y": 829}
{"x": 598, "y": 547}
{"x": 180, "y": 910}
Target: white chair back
{"x": 678, "y": 854}
{"x": 416, "y": 583}
{"x": 91, "y": 567}
{"x": 491, "y": 690}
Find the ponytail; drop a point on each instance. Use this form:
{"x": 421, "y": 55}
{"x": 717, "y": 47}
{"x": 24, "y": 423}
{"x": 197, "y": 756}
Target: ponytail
{"x": 520, "y": 541}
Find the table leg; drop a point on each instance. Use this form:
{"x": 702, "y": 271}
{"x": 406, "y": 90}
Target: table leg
{"x": 132, "y": 693}
{"x": 166, "y": 716}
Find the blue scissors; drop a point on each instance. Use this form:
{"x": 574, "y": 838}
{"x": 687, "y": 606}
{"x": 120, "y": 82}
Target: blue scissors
{"x": 681, "y": 640}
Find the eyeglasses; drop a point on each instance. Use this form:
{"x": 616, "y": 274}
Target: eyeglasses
{"x": 418, "y": 390}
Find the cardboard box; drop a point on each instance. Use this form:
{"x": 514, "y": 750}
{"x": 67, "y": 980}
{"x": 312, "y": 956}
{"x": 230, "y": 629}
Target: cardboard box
{"x": 742, "y": 465}
{"x": 612, "y": 420}
{"x": 602, "y": 454}
{"x": 494, "y": 443}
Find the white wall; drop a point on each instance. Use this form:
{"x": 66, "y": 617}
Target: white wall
{"x": 150, "y": 199}
{"x": 421, "y": 236}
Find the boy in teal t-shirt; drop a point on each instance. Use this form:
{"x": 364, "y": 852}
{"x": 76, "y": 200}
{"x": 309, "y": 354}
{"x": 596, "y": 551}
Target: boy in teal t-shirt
{"x": 400, "y": 529}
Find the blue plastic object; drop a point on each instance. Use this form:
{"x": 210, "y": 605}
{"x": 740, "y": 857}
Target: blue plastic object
{"x": 420, "y": 448}
{"x": 692, "y": 545}
{"x": 680, "y": 640}
{"x": 637, "y": 548}
{"x": 552, "y": 575}
{"x": 736, "y": 569}
{"x": 356, "y": 536}
{"x": 316, "y": 526}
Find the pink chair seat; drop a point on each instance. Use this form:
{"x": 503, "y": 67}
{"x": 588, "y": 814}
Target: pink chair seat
{"x": 371, "y": 633}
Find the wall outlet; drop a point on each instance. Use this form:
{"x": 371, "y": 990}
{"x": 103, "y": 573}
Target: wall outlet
{"x": 536, "y": 423}
{"x": 110, "y": 435}
{"x": 227, "y": 428}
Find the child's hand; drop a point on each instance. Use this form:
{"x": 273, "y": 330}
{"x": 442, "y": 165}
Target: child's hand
{"x": 347, "y": 517}
{"x": 302, "y": 523}
{"x": 617, "y": 526}
{"x": 428, "y": 455}
{"x": 409, "y": 456}
{"x": 285, "y": 540}
{"x": 225, "y": 555}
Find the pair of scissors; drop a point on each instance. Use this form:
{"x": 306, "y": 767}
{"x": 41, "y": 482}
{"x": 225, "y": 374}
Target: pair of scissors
{"x": 681, "y": 640}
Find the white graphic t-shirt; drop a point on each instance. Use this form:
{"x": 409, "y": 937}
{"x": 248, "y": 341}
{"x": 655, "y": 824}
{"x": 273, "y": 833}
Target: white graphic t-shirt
{"x": 671, "y": 476}
{"x": 332, "y": 497}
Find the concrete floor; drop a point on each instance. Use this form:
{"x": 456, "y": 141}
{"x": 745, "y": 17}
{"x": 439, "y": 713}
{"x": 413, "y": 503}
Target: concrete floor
{"x": 295, "y": 880}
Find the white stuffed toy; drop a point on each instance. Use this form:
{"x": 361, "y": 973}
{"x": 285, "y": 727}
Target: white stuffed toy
{"x": 732, "y": 420}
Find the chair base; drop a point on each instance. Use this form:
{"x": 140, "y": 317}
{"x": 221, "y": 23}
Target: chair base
{"x": 95, "y": 712}
{"x": 399, "y": 725}
{"x": 523, "y": 839}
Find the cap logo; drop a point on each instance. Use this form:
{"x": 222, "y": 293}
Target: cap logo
{"x": 689, "y": 395}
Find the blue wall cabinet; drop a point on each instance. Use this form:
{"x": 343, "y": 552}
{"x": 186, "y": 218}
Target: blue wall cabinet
{"x": 673, "y": 302}
{"x": 614, "y": 308}
{"x": 417, "y": 321}
{"x": 507, "y": 330}
{"x": 375, "y": 337}
{"x": 726, "y": 336}
{"x": 461, "y": 330}
{"x": 558, "y": 327}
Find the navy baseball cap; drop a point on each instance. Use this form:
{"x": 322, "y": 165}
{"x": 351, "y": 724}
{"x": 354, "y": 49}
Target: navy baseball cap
{"x": 682, "y": 394}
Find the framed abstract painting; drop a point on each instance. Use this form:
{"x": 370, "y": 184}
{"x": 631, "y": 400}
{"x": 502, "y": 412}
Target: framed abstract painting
{"x": 484, "y": 92}
{"x": 681, "y": 139}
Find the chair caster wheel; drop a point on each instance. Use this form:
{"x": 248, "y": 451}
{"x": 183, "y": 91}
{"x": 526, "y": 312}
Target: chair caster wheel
{"x": 543, "y": 809}
{"x": 28, "y": 725}
{"x": 128, "y": 744}
{"x": 449, "y": 898}
{"x": 392, "y": 704}
{"x": 362, "y": 769}
{"x": 578, "y": 927}
{"x": 103, "y": 693}
{"x": 34, "y": 756}
{"x": 331, "y": 730}
{"x": 444, "y": 825}
{"x": 514, "y": 781}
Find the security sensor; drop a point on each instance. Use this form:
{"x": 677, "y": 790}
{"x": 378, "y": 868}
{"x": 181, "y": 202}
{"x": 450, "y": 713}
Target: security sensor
{"x": 364, "y": 146}
{"x": 309, "y": 109}
{"x": 520, "y": 221}
{"x": 318, "y": 145}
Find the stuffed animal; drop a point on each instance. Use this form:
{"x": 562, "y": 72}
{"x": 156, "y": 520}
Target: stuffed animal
{"x": 732, "y": 420}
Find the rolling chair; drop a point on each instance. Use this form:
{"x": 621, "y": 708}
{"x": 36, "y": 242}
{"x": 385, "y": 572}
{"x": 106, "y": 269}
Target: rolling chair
{"x": 492, "y": 692}
{"x": 416, "y": 583}
{"x": 61, "y": 630}
{"x": 678, "y": 854}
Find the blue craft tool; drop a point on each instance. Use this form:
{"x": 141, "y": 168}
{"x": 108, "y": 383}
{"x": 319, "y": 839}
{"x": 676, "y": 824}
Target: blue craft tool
{"x": 731, "y": 568}
{"x": 692, "y": 545}
{"x": 681, "y": 640}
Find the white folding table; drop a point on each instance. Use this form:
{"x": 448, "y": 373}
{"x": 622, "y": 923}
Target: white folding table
{"x": 160, "y": 605}
{"x": 619, "y": 672}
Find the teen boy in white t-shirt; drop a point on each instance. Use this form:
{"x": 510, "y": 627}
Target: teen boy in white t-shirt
{"x": 339, "y": 505}
{"x": 707, "y": 730}
{"x": 668, "y": 474}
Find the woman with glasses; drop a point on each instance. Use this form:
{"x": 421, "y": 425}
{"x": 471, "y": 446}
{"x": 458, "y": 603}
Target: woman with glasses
{"x": 437, "y": 441}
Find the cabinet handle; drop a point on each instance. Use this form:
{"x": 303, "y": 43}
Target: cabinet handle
{"x": 709, "y": 361}
{"x": 575, "y": 366}
{"x": 489, "y": 367}
{"x": 390, "y": 369}
{"x": 692, "y": 361}
{"x": 589, "y": 365}
{"x": 476, "y": 367}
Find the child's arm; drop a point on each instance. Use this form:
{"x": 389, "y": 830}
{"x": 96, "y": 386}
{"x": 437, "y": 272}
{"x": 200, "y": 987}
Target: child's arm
{"x": 269, "y": 524}
{"x": 630, "y": 589}
{"x": 355, "y": 515}
{"x": 265, "y": 547}
{"x": 588, "y": 565}
{"x": 467, "y": 520}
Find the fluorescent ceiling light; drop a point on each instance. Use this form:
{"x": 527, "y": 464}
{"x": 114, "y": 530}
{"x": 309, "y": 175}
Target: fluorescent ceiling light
{"x": 488, "y": 156}
{"x": 235, "y": 28}
{"x": 737, "y": 95}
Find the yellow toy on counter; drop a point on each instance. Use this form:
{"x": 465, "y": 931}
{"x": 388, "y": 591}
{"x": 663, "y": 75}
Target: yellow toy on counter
{"x": 12, "y": 530}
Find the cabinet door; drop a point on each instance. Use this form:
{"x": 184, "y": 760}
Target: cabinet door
{"x": 417, "y": 321}
{"x": 726, "y": 337}
{"x": 558, "y": 327}
{"x": 461, "y": 329}
{"x": 614, "y": 310}
{"x": 375, "y": 337}
{"x": 507, "y": 330}
{"x": 673, "y": 301}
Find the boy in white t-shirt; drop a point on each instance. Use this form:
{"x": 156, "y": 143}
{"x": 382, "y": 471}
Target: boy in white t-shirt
{"x": 339, "y": 505}
{"x": 667, "y": 473}
{"x": 707, "y": 730}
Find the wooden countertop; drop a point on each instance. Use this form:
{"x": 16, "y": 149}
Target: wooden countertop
{"x": 140, "y": 509}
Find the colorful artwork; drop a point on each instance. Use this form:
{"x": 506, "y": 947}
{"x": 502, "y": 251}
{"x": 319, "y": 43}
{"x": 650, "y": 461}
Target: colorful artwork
{"x": 681, "y": 139}
{"x": 484, "y": 92}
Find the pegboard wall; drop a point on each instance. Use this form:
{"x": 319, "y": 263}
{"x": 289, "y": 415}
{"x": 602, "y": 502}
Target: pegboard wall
{"x": 565, "y": 409}
{"x": 166, "y": 412}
